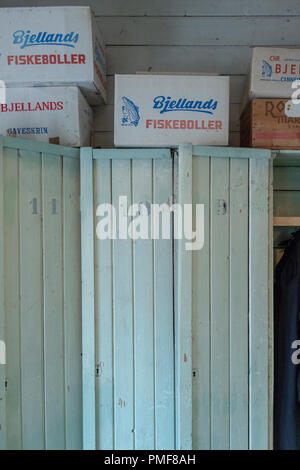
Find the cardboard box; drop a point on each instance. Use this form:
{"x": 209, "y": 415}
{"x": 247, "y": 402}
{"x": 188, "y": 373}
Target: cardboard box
{"x": 166, "y": 110}
{"x": 272, "y": 73}
{"x": 272, "y": 124}
{"x": 57, "y": 46}
{"x": 47, "y": 114}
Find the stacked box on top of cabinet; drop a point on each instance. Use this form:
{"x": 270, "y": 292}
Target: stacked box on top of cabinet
{"x": 272, "y": 123}
{"x": 270, "y": 115}
{"x": 46, "y": 54}
{"x": 167, "y": 110}
{"x": 53, "y": 46}
{"x": 47, "y": 113}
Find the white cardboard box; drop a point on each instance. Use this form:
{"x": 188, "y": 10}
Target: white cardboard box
{"x": 45, "y": 113}
{"x": 272, "y": 72}
{"x": 51, "y": 46}
{"x": 166, "y": 110}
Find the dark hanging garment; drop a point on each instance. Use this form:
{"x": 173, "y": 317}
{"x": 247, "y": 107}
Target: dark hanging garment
{"x": 286, "y": 331}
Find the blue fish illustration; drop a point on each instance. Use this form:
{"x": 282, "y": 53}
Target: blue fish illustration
{"x": 131, "y": 116}
{"x": 266, "y": 69}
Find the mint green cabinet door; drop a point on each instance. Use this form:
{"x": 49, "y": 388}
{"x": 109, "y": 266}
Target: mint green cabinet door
{"x": 231, "y": 308}
{"x": 128, "y": 315}
{"x": 40, "y": 390}
{"x": 158, "y": 348}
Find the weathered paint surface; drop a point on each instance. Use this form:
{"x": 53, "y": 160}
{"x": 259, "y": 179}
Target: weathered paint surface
{"x": 230, "y": 301}
{"x": 133, "y": 310}
{"x": 212, "y": 361}
{"x": 184, "y": 314}
{"x": 135, "y": 370}
{"x": 41, "y": 406}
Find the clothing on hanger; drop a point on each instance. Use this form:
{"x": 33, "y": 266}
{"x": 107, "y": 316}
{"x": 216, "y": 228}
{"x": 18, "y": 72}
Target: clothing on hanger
{"x": 286, "y": 331}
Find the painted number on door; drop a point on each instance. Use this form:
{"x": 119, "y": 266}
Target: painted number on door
{"x": 34, "y": 204}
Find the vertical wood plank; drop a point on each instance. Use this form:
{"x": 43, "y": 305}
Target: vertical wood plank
{"x": 184, "y": 421}
{"x": 23, "y": 241}
{"x": 104, "y": 315}
{"x": 258, "y": 303}
{"x": 271, "y": 319}
{"x": 53, "y": 303}
{"x": 219, "y": 256}
{"x": 175, "y": 296}
{"x": 72, "y": 303}
{"x": 163, "y": 317}
{"x": 88, "y": 307}
{"x": 239, "y": 304}
{"x": 3, "y": 444}
{"x": 143, "y": 314}
{"x": 31, "y": 294}
{"x": 123, "y": 317}
{"x": 201, "y": 312}
{"x": 11, "y": 230}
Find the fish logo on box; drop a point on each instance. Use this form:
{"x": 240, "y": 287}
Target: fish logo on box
{"x": 27, "y": 39}
{"x": 130, "y": 113}
{"x": 266, "y": 69}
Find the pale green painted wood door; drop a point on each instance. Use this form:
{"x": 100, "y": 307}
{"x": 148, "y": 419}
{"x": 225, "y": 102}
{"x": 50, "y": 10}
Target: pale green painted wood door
{"x": 221, "y": 328}
{"x": 40, "y": 391}
{"x": 128, "y": 314}
{"x": 232, "y": 318}
{"x": 176, "y": 345}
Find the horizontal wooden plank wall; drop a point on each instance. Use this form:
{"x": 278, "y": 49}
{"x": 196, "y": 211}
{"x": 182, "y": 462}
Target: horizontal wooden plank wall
{"x": 194, "y": 38}
{"x": 196, "y": 31}
{"x": 186, "y": 36}
{"x": 286, "y": 201}
{"x": 286, "y": 191}
{"x": 42, "y": 296}
{"x": 175, "y": 7}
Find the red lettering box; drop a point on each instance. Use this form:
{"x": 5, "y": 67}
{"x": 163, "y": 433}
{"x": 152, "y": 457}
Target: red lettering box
{"x": 53, "y": 46}
{"x": 273, "y": 73}
{"x": 47, "y": 113}
{"x": 271, "y": 123}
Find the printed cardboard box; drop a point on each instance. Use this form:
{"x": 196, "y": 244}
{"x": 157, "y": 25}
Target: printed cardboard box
{"x": 273, "y": 72}
{"x": 53, "y": 46}
{"x": 47, "y": 113}
{"x": 166, "y": 110}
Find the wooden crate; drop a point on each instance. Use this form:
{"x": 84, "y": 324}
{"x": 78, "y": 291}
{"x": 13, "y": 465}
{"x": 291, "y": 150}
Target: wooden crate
{"x": 264, "y": 124}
